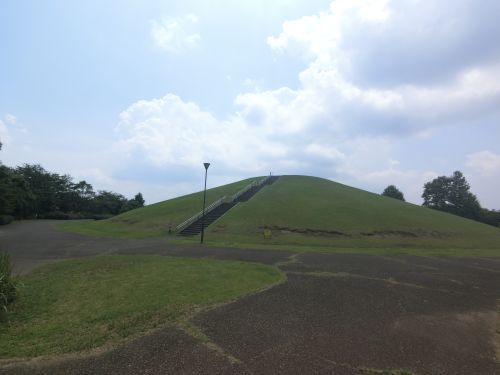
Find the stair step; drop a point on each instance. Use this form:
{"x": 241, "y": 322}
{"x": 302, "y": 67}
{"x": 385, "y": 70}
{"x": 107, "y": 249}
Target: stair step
{"x": 195, "y": 227}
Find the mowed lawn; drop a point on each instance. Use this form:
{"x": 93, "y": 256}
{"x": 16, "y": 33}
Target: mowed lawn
{"x": 154, "y": 220}
{"x": 332, "y": 216}
{"x": 82, "y": 304}
{"x": 304, "y": 213}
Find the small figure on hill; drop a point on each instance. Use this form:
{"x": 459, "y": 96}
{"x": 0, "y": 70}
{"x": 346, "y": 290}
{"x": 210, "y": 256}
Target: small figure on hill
{"x": 393, "y": 192}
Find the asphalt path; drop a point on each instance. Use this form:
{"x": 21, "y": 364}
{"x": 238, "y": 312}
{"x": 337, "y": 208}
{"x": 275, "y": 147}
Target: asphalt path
{"x": 334, "y": 314}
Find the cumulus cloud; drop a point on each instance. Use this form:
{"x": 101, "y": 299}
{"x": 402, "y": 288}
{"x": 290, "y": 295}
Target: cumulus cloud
{"x": 482, "y": 169}
{"x": 484, "y": 162}
{"x": 8, "y": 125}
{"x": 399, "y": 66}
{"x": 176, "y": 35}
{"x": 11, "y": 130}
{"x": 4, "y": 134}
{"x": 10, "y": 119}
{"x": 377, "y": 71}
{"x": 173, "y": 132}
{"x": 390, "y": 42}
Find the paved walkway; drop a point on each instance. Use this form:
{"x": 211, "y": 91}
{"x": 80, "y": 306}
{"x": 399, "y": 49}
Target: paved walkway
{"x": 335, "y": 314}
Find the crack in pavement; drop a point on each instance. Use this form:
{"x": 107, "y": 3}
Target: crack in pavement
{"x": 389, "y": 280}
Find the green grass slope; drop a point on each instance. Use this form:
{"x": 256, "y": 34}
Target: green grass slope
{"x": 307, "y": 212}
{"x": 155, "y": 219}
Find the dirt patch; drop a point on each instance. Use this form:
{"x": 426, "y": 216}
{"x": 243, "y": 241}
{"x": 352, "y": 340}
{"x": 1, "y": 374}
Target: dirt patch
{"x": 128, "y": 221}
{"x": 405, "y": 234}
{"x": 306, "y": 231}
{"x": 389, "y": 233}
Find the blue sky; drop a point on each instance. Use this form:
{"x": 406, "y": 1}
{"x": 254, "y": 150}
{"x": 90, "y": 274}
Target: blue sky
{"x": 134, "y": 96}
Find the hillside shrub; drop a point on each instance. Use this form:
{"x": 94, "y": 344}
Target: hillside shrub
{"x": 7, "y": 285}
{"x": 5, "y": 219}
{"x": 59, "y": 215}
{"x": 392, "y": 191}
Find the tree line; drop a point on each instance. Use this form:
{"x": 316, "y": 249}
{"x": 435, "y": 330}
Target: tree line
{"x": 29, "y": 191}
{"x": 451, "y": 194}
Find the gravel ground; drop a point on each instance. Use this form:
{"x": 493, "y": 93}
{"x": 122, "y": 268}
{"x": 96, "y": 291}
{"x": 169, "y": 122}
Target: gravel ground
{"x": 335, "y": 314}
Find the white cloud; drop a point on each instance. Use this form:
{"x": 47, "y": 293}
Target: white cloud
{"x": 320, "y": 36}
{"x": 4, "y": 133}
{"x": 173, "y": 132}
{"x": 393, "y": 42}
{"x": 348, "y": 79}
{"x": 377, "y": 72}
{"x": 323, "y": 151}
{"x": 176, "y": 35}
{"x": 484, "y": 162}
{"x": 8, "y": 128}
{"x": 482, "y": 170}
{"x": 10, "y": 119}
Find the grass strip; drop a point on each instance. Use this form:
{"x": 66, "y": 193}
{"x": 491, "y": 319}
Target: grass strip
{"x": 83, "y": 304}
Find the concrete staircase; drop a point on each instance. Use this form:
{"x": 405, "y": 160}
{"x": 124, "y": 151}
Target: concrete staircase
{"x": 210, "y": 217}
{"x": 255, "y": 189}
{"x": 221, "y": 207}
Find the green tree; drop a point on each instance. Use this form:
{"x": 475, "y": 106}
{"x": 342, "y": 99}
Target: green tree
{"x": 15, "y": 196}
{"x": 393, "y": 192}
{"x": 53, "y": 192}
{"x": 40, "y": 183}
{"x": 132, "y": 204}
{"x": 108, "y": 203}
{"x": 139, "y": 199}
{"x": 491, "y": 217}
{"x": 7, "y": 192}
{"x": 31, "y": 191}
{"x": 83, "y": 194}
{"x": 452, "y": 194}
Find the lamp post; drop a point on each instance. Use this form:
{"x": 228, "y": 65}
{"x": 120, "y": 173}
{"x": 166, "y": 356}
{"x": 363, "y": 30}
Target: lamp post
{"x": 204, "y": 198}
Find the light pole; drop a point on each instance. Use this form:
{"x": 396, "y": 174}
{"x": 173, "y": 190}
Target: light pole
{"x": 204, "y": 198}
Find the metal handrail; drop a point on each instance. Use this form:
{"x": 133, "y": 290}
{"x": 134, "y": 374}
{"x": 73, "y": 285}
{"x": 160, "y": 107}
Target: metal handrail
{"x": 217, "y": 203}
{"x": 248, "y": 187}
{"x": 243, "y": 191}
{"x": 198, "y": 215}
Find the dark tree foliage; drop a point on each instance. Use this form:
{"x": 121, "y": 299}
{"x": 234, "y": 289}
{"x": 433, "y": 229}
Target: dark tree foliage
{"x": 108, "y": 202}
{"x": 491, "y": 217}
{"x": 132, "y": 204}
{"x": 16, "y": 199}
{"x": 451, "y": 194}
{"x": 139, "y": 199}
{"x": 30, "y": 191}
{"x": 393, "y": 192}
{"x": 51, "y": 191}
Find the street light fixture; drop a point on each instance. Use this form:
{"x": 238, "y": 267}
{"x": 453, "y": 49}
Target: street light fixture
{"x": 204, "y": 199}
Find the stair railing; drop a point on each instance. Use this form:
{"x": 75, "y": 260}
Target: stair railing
{"x": 179, "y": 228}
{"x": 197, "y": 216}
{"x": 243, "y": 191}
{"x": 248, "y": 187}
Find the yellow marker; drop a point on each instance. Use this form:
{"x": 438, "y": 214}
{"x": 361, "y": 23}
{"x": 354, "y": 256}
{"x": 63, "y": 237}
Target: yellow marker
{"x": 267, "y": 233}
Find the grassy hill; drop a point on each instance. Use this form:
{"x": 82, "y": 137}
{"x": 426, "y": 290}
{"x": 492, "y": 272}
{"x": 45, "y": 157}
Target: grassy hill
{"x": 319, "y": 213}
{"x": 308, "y": 213}
{"x": 155, "y": 219}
